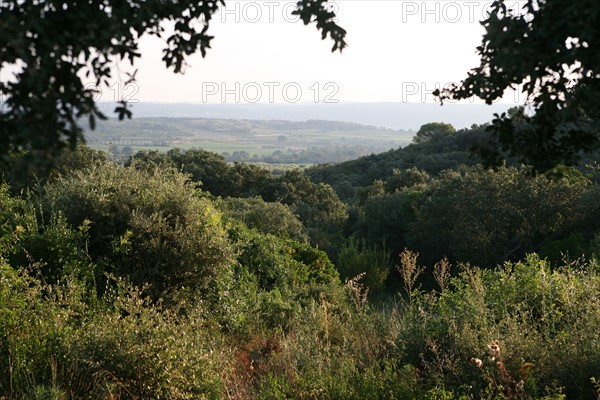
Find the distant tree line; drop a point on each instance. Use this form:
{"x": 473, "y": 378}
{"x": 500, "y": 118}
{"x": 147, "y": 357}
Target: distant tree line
{"x": 311, "y": 155}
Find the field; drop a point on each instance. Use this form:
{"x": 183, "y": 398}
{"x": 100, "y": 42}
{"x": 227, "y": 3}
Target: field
{"x": 256, "y": 138}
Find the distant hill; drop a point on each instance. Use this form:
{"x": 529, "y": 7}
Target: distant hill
{"x": 272, "y": 141}
{"x": 408, "y": 116}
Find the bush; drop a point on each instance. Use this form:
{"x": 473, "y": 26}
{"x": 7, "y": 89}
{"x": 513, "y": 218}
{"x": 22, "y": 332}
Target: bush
{"x": 56, "y": 250}
{"x": 35, "y": 331}
{"x": 544, "y": 322}
{"x": 136, "y": 349}
{"x": 356, "y": 258}
{"x": 275, "y": 218}
{"x": 281, "y": 263}
{"x": 53, "y": 345}
{"x": 285, "y": 273}
{"x": 338, "y": 350}
{"x": 153, "y": 227}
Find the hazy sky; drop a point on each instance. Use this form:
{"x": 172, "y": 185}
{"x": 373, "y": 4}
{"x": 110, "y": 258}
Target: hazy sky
{"x": 398, "y": 51}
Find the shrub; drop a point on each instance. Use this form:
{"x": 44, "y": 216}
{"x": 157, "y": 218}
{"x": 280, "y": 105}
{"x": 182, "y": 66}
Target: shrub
{"x": 539, "y": 317}
{"x": 283, "y": 263}
{"x": 55, "y": 249}
{"x": 275, "y": 218}
{"x": 356, "y": 257}
{"x": 136, "y": 349}
{"x": 337, "y": 351}
{"x": 153, "y": 227}
{"x": 273, "y": 278}
{"x": 34, "y": 333}
{"x": 53, "y": 345}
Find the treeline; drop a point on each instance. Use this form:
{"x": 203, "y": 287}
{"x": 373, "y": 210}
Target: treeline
{"x": 480, "y": 216}
{"x": 431, "y": 156}
{"x": 312, "y": 155}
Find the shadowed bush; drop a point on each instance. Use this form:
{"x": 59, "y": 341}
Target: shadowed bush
{"x": 356, "y": 257}
{"x": 153, "y": 227}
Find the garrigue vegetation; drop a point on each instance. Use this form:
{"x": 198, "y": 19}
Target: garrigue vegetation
{"x": 413, "y": 274}
{"x": 179, "y": 275}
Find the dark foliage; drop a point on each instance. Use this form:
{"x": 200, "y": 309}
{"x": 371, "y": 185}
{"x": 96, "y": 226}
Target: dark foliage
{"x": 550, "y": 48}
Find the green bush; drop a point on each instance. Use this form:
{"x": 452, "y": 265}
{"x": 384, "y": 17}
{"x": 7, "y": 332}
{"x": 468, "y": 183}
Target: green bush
{"x": 275, "y": 218}
{"x": 136, "y": 349}
{"x": 35, "y": 331}
{"x": 338, "y": 350}
{"x": 280, "y": 263}
{"x": 152, "y": 226}
{"x": 53, "y": 345}
{"x": 357, "y": 258}
{"x": 535, "y": 315}
{"x": 278, "y": 276}
{"x": 9, "y": 214}
{"x": 55, "y": 249}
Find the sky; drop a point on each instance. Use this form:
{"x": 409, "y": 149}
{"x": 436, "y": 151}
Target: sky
{"x": 399, "y": 51}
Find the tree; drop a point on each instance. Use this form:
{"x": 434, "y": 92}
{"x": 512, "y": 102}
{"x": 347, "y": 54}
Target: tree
{"x": 53, "y": 44}
{"x": 487, "y": 217}
{"x": 433, "y": 131}
{"x": 551, "y": 48}
{"x": 21, "y": 172}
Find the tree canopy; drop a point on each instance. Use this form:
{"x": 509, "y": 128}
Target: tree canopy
{"x": 53, "y": 44}
{"x": 550, "y": 47}
{"x": 432, "y": 131}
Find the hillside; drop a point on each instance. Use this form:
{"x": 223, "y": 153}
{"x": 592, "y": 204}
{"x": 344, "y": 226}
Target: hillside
{"x": 410, "y": 114}
{"x": 180, "y": 275}
{"x": 251, "y": 139}
{"x": 431, "y": 157}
